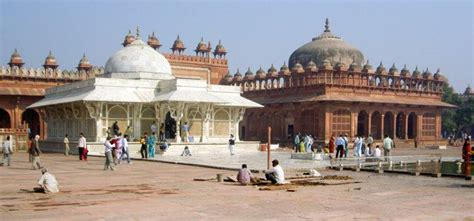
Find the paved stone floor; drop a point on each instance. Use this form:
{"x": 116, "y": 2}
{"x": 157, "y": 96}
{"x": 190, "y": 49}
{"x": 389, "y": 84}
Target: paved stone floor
{"x": 162, "y": 191}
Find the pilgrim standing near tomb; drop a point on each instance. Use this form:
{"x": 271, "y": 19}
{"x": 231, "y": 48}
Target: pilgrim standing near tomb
{"x": 186, "y": 131}
{"x": 296, "y": 141}
{"x": 331, "y": 144}
{"x": 162, "y": 132}
{"x": 125, "y": 149}
{"x": 346, "y": 145}
{"x": 340, "y": 143}
{"x": 370, "y": 142}
{"x": 66, "y": 145}
{"x": 118, "y": 148}
{"x": 151, "y": 145}
{"x": 81, "y": 145}
{"x": 387, "y": 146}
{"x": 143, "y": 149}
{"x": 108, "y": 154}
{"x": 232, "y": 144}
{"x": 7, "y": 151}
{"x": 153, "y": 127}
{"x": 35, "y": 153}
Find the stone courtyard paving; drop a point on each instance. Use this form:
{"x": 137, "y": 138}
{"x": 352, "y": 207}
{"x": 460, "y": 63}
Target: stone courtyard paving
{"x": 162, "y": 191}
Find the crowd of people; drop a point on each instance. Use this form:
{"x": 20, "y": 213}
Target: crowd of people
{"x": 362, "y": 146}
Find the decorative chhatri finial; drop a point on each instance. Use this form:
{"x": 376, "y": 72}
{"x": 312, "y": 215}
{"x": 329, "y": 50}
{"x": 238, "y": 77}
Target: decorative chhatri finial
{"x": 138, "y": 32}
{"x": 327, "y": 26}
{"x": 84, "y": 55}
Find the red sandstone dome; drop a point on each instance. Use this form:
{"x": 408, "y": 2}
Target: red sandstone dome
{"x": 153, "y": 41}
{"x": 50, "y": 61}
{"x": 16, "y": 59}
{"x": 326, "y": 47}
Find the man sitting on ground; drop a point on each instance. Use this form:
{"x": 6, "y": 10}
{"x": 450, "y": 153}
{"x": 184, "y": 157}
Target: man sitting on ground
{"x": 276, "y": 174}
{"x": 186, "y": 152}
{"x": 47, "y": 183}
{"x": 244, "y": 176}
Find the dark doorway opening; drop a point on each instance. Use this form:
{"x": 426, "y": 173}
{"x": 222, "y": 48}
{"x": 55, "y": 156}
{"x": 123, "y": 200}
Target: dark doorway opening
{"x": 4, "y": 119}
{"x": 31, "y": 119}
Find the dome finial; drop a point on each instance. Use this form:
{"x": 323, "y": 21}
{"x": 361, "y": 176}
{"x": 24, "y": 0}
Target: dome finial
{"x": 138, "y": 32}
{"x": 327, "y": 26}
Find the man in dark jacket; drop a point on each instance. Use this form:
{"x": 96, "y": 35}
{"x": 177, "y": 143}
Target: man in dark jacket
{"x": 35, "y": 153}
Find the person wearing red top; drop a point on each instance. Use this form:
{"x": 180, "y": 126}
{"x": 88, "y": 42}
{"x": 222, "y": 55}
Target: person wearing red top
{"x": 331, "y": 144}
{"x": 466, "y": 155}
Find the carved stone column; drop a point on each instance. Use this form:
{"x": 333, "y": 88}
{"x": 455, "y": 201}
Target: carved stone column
{"x": 237, "y": 116}
{"x": 95, "y": 112}
{"x": 137, "y": 114}
{"x": 206, "y": 114}
{"x": 382, "y": 119}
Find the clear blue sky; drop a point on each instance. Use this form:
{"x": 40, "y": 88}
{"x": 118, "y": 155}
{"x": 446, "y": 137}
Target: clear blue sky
{"x": 433, "y": 34}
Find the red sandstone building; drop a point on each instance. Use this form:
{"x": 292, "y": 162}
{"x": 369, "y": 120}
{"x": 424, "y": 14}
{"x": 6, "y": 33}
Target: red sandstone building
{"x": 20, "y": 87}
{"x": 327, "y": 91}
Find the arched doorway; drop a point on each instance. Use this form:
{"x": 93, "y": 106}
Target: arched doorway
{"x": 400, "y": 128}
{"x": 388, "y": 125}
{"x": 30, "y": 118}
{"x": 412, "y": 125}
{"x": 363, "y": 124}
{"x": 4, "y": 119}
{"x": 376, "y": 121}
{"x": 170, "y": 127}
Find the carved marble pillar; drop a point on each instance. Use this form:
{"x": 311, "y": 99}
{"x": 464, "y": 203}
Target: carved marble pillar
{"x": 237, "y": 116}
{"x": 137, "y": 114}
{"x": 369, "y": 124}
{"x": 206, "y": 114}
{"x": 405, "y": 128}
{"x": 95, "y": 112}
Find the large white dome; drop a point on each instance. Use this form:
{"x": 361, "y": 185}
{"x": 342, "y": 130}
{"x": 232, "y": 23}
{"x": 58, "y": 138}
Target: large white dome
{"x": 137, "y": 57}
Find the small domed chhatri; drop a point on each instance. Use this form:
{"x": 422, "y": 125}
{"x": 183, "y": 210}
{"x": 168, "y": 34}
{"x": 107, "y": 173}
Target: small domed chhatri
{"x": 16, "y": 60}
{"x": 220, "y": 51}
{"x": 272, "y": 72}
{"x": 50, "y": 61}
{"x": 427, "y": 74}
{"x": 153, "y": 41}
{"x": 201, "y": 48}
{"x": 84, "y": 63}
{"x": 405, "y": 72}
{"x": 381, "y": 69}
{"x": 326, "y": 46}
{"x": 416, "y": 73}
{"x": 129, "y": 38}
{"x": 178, "y": 46}
{"x": 393, "y": 70}
{"x": 248, "y": 73}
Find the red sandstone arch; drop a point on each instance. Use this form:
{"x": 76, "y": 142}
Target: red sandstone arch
{"x": 5, "y": 121}
{"x": 376, "y": 125}
{"x": 32, "y": 119}
{"x": 363, "y": 123}
{"x": 412, "y": 125}
{"x": 400, "y": 127}
{"x": 388, "y": 127}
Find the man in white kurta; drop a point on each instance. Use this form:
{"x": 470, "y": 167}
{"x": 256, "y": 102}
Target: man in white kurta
{"x": 48, "y": 182}
{"x": 276, "y": 174}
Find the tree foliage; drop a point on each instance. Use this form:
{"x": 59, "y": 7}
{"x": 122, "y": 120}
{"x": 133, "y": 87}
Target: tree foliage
{"x": 460, "y": 117}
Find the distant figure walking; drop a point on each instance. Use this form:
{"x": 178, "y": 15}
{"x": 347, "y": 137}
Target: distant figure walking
{"x": 108, "y": 155}
{"x": 125, "y": 149}
{"x": 143, "y": 149}
{"x": 231, "y": 144}
{"x": 151, "y": 145}
{"x": 7, "y": 151}
{"x": 66, "y": 145}
{"x": 387, "y": 146}
{"x": 81, "y": 145}
{"x": 185, "y": 128}
{"x": 340, "y": 146}
{"x": 35, "y": 153}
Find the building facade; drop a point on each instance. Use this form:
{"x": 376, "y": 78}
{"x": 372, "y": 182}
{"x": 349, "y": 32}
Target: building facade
{"x": 21, "y": 86}
{"x": 327, "y": 91}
